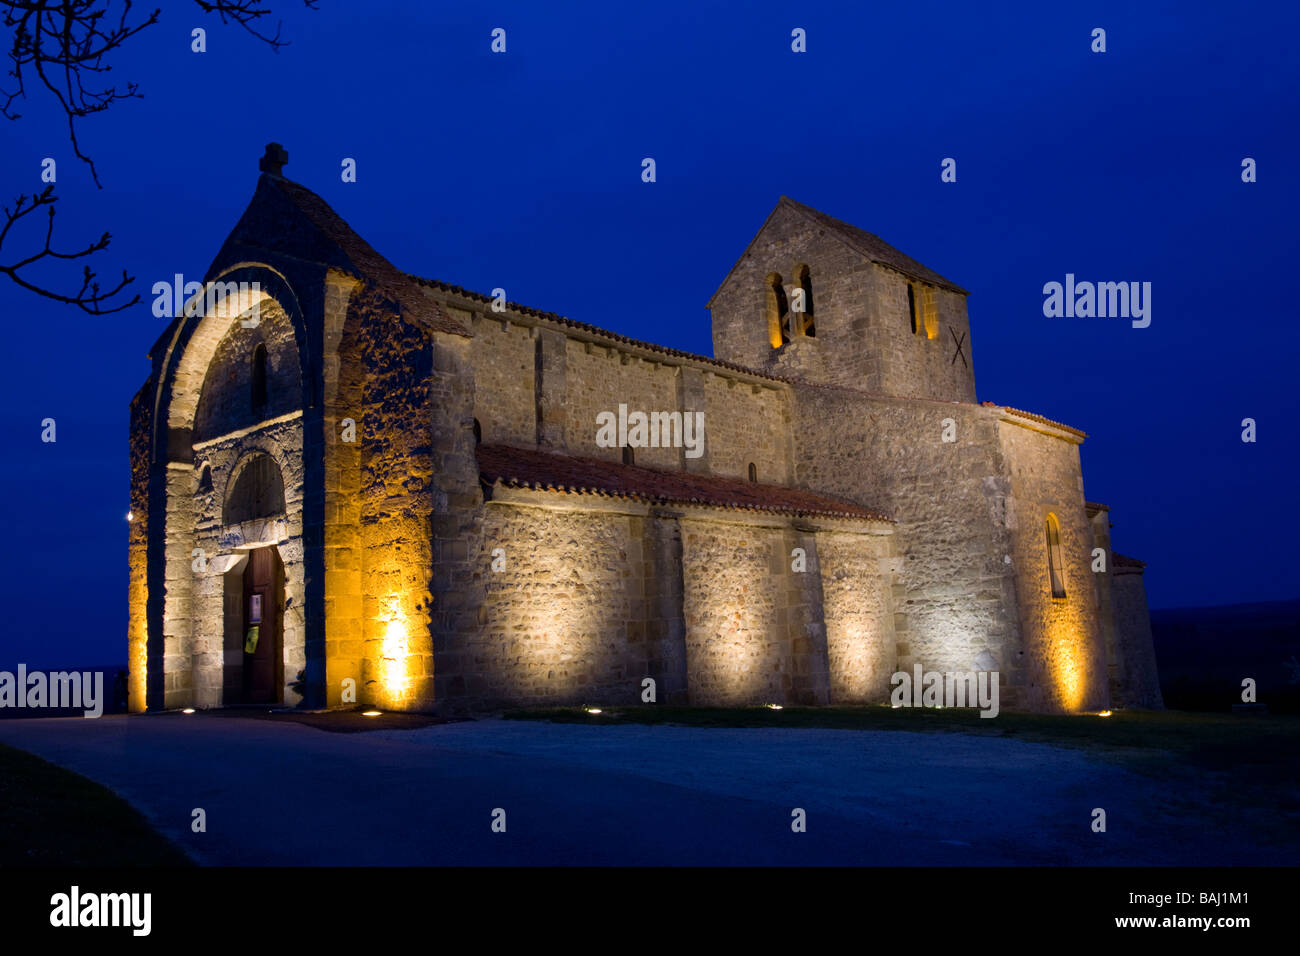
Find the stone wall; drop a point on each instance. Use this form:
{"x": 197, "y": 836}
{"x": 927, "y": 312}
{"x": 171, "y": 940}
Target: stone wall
{"x": 137, "y": 633}
{"x": 859, "y": 577}
{"x": 1139, "y": 684}
{"x": 956, "y": 592}
{"x": 229, "y": 432}
{"x": 599, "y": 380}
{"x": 217, "y": 588}
{"x": 840, "y": 280}
{"x": 863, "y": 329}
{"x": 1063, "y": 639}
{"x": 925, "y": 363}
{"x": 564, "y": 621}
{"x": 225, "y": 402}
{"x": 754, "y": 628}
{"x": 747, "y": 423}
{"x": 347, "y": 307}
{"x": 397, "y": 499}
{"x": 503, "y": 356}
{"x": 539, "y": 385}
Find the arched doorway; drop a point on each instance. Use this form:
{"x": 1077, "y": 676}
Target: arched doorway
{"x": 253, "y": 517}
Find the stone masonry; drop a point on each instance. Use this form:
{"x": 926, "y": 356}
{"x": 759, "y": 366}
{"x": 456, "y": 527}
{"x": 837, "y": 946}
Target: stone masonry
{"x": 453, "y": 533}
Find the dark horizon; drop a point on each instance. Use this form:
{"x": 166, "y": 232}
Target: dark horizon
{"x": 518, "y": 171}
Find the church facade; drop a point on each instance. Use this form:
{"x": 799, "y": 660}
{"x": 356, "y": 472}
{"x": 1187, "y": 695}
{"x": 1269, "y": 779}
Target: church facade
{"x": 354, "y": 485}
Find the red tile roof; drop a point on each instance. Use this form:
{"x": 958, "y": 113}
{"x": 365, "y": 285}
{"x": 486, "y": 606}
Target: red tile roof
{"x": 1037, "y": 418}
{"x": 551, "y": 471}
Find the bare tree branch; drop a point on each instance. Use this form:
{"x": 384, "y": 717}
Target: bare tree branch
{"x": 64, "y": 46}
{"x": 247, "y": 13}
{"x": 90, "y": 297}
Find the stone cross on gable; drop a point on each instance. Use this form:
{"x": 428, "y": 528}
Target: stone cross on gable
{"x": 274, "y": 160}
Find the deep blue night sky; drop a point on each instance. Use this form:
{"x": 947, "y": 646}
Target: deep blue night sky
{"x": 523, "y": 171}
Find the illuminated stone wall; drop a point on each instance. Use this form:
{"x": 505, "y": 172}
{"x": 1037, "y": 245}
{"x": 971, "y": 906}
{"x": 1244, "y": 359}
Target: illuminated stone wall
{"x": 387, "y": 541}
{"x": 859, "y": 577}
{"x": 1063, "y": 639}
{"x": 956, "y": 592}
{"x": 396, "y": 493}
{"x": 504, "y": 354}
{"x": 564, "y": 621}
{"x": 596, "y": 380}
{"x": 748, "y": 423}
{"x": 538, "y": 383}
{"x": 754, "y": 630}
{"x": 346, "y": 308}
{"x": 864, "y": 336}
{"x": 228, "y": 434}
{"x": 141, "y": 417}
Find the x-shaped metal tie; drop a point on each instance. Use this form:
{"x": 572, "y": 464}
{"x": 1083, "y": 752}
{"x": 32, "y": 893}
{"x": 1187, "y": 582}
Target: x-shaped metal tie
{"x": 959, "y": 342}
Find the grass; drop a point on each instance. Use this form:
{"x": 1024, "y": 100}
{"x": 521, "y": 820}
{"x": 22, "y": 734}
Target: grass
{"x": 53, "y": 817}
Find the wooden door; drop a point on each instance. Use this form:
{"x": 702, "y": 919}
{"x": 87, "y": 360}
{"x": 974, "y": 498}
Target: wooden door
{"x": 263, "y": 666}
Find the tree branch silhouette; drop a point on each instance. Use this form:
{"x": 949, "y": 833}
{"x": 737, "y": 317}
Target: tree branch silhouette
{"x": 63, "y": 47}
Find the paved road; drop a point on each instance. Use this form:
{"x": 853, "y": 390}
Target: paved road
{"x": 286, "y": 794}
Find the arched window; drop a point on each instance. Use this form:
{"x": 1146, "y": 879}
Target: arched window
{"x": 929, "y": 312}
{"x": 629, "y": 457}
{"x": 805, "y": 323}
{"x": 259, "y": 377}
{"x": 778, "y": 312}
{"x": 753, "y": 472}
{"x": 911, "y": 307}
{"x": 478, "y": 433}
{"x": 205, "y": 479}
{"x": 1055, "y": 563}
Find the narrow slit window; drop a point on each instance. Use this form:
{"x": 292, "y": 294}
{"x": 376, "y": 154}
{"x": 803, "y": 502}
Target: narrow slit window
{"x": 805, "y": 315}
{"x": 778, "y": 312}
{"x": 1055, "y": 563}
{"x": 259, "y": 378}
{"x": 911, "y": 306}
{"x": 753, "y": 472}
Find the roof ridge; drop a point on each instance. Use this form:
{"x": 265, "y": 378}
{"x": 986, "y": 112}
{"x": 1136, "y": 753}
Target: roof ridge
{"x": 874, "y": 247}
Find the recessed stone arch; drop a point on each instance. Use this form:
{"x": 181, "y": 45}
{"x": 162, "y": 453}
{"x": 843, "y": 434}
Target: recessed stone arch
{"x": 256, "y": 467}
{"x": 255, "y": 490}
{"x": 195, "y": 342}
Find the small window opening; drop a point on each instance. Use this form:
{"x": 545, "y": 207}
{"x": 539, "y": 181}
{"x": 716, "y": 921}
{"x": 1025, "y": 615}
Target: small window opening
{"x": 1055, "y": 564}
{"x": 806, "y": 324}
{"x": 259, "y": 378}
{"x": 778, "y": 312}
{"x": 753, "y": 472}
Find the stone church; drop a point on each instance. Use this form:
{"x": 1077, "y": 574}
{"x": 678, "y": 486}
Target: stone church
{"x": 350, "y": 484}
